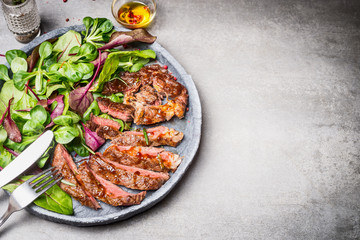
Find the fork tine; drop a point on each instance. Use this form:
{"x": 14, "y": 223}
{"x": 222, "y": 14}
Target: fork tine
{"x": 43, "y": 177}
{"x": 38, "y": 175}
{"x": 36, "y": 188}
{"x": 49, "y": 186}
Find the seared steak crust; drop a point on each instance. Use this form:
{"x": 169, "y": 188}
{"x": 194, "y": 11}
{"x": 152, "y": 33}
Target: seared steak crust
{"x": 157, "y": 136}
{"x": 60, "y": 161}
{"x": 105, "y": 122}
{"x": 150, "y": 158}
{"x": 151, "y": 114}
{"x": 147, "y": 102}
{"x": 116, "y": 110}
{"x": 148, "y": 95}
{"x": 106, "y": 191}
{"x": 127, "y": 82}
{"x": 130, "y": 177}
{"x": 104, "y": 128}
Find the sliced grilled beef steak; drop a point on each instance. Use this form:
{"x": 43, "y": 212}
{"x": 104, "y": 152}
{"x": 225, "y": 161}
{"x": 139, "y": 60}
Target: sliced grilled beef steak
{"x": 106, "y": 191}
{"x": 148, "y": 95}
{"x": 61, "y": 161}
{"x": 127, "y": 82}
{"x": 105, "y": 128}
{"x": 107, "y": 132}
{"x": 105, "y": 122}
{"x": 150, "y": 158}
{"x": 151, "y": 114}
{"x": 130, "y": 177}
{"x": 181, "y": 102}
{"x": 157, "y": 136}
{"x": 116, "y": 110}
{"x": 167, "y": 86}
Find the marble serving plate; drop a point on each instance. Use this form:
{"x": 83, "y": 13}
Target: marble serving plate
{"x": 190, "y": 125}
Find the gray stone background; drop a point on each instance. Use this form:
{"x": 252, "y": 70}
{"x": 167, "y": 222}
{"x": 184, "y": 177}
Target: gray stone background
{"x": 280, "y": 90}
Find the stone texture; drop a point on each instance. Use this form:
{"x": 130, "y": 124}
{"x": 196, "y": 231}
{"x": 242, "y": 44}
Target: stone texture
{"x": 279, "y": 155}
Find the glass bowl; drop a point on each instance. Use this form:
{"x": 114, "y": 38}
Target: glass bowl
{"x": 117, "y": 4}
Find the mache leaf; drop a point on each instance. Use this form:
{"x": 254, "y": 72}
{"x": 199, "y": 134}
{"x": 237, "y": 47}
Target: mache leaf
{"x": 12, "y": 54}
{"x": 4, "y": 73}
{"x": 65, "y": 43}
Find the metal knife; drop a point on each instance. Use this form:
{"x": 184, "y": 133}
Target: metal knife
{"x": 27, "y": 158}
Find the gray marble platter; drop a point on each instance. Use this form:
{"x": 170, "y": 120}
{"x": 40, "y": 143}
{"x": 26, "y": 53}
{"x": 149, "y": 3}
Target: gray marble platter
{"x": 190, "y": 125}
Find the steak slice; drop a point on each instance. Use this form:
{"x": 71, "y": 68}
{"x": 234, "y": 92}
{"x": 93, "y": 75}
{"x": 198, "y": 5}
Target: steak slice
{"x": 105, "y": 122}
{"x": 62, "y": 161}
{"x": 125, "y": 83}
{"x": 157, "y": 136}
{"x": 151, "y": 114}
{"x": 167, "y": 86}
{"x": 106, "y": 191}
{"x": 116, "y": 110}
{"x": 148, "y": 95}
{"x": 150, "y": 158}
{"x": 104, "y": 128}
{"x": 130, "y": 177}
{"x": 181, "y": 102}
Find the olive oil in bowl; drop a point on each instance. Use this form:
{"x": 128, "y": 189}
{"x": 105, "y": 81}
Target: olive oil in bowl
{"x": 134, "y": 14}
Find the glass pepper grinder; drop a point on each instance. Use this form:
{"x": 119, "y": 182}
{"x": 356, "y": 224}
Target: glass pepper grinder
{"x": 22, "y": 18}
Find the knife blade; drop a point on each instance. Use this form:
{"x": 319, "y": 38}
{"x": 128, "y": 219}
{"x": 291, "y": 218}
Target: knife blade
{"x": 26, "y": 159}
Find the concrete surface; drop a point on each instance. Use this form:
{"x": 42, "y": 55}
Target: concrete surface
{"x": 279, "y": 158}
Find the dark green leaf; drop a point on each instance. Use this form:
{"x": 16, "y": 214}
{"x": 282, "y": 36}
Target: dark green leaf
{"x": 65, "y": 134}
{"x": 56, "y": 200}
{"x": 41, "y": 162}
{"x": 11, "y": 54}
{"x": 32, "y": 127}
{"x": 39, "y": 114}
{"x": 86, "y": 53}
{"x": 53, "y": 88}
{"x": 45, "y": 50}
{"x": 115, "y": 60}
{"x": 3, "y": 135}
{"x": 63, "y": 120}
{"x": 77, "y": 147}
{"x": 4, "y": 73}
{"x": 65, "y": 43}
{"x": 19, "y": 147}
{"x": 93, "y": 108}
{"x": 5, "y": 157}
{"x": 18, "y": 64}
{"x": 21, "y": 77}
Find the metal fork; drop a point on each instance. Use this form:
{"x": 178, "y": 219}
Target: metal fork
{"x": 30, "y": 190}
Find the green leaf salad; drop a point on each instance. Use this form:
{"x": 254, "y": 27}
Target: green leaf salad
{"x": 55, "y": 87}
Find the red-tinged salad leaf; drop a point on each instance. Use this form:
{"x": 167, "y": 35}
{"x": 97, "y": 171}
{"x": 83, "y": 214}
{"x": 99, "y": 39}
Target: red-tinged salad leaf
{"x": 80, "y": 98}
{"x": 59, "y": 109}
{"x": 92, "y": 140}
{"x": 100, "y": 59}
{"x": 120, "y": 38}
{"x": 9, "y": 124}
{"x": 15, "y": 154}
